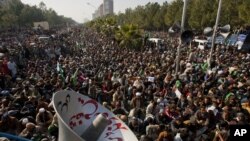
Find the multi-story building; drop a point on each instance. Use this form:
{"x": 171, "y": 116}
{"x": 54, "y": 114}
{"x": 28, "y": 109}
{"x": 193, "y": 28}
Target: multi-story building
{"x": 98, "y": 13}
{"x": 108, "y": 7}
{"x": 100, "y": 9}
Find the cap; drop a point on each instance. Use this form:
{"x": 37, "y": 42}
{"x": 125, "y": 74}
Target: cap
{"x": 158, "y": 100}
{"x": 138, "y": 94}
{"x": 25, "y": 121}
{"x": 41, "y": 110}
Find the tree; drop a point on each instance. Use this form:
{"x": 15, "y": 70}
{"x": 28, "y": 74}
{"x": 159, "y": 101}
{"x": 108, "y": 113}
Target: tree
{"x": 31, "y": 14}
{"x": 174, "y": 12}
{"x": 9, "y": 19}
{"x": 15, "y": 13}
{"x": 152, "y": 18}
{"x": 138, "y": 16}
{"x": 200, "y": 14}
{"x": 129, "y": 36}
{"x": 244, "y": 14}
{"x": 42, "y": 6}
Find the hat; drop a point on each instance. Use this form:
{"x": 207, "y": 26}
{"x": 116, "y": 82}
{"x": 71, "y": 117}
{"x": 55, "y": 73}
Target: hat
{"x": 105, "y": 103}
{"x": 138, "y": 94}
{"x": 158, "y": 100}
{"x": 12, "y": 112}
{"x": 25, "y": 121}
{"x": 41, "y": 110}
{"x": 188, "y": 65}
{"x": 220, "y": 72}
{"x": 18, "y": 79}
{"x": 209, "y": 72}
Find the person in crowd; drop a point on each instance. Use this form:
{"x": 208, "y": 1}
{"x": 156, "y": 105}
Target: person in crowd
{"x": 44, "y": 119}
{"x": 9, "y": 123}
{"x": 137, "y": 86}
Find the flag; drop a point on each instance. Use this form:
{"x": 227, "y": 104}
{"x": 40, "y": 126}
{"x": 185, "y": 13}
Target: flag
{"x": 74, "y": 78}
{"x": 60, "y": 71}
{"x": 141, "y": 72}
{"x": 178, "y": 84}
{"x": 204, "y": 67}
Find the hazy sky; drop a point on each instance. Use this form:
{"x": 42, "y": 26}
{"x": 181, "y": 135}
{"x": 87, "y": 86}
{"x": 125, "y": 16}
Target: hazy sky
{"x": 79, "y": 10}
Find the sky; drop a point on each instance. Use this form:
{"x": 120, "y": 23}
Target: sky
{"x": 80, "y": 10}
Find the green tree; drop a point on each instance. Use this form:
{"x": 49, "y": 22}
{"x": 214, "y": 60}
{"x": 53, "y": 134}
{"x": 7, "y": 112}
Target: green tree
{"x": 129, "y": 36}
{"x": 200, "y": 14}
{"x": 174, "y": 12}
{"x": 31, "y": 14}
{"x": 244, "y": 14}
{"x": 152, "y": 20}
{"x": 138, "y": 16}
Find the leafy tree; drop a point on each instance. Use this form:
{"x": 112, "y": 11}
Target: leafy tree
{"x": 9, "y": 19}
{"x": 174, "y": 12}
{"x": 129, "y": 36}
{"x": 31, "y": 14}
{"x": 43, "y": 6}
{"x": 152, "y": 18}
{"x": 15, "y": 13}
{"x": 138, "y": 16}
{"x": 244, "y": 14}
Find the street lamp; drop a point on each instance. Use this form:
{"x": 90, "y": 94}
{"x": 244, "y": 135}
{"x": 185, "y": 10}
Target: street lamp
{"x": 208, "y": 30}
{"x": 185, "y": 36}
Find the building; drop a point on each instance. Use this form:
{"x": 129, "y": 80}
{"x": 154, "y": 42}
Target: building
{"x": 98, "y": 13}
{"x": 108, "y": 7}
{"x": 100, "y": 9}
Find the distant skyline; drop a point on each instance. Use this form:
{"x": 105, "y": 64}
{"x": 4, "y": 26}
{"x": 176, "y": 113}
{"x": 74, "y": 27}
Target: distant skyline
{"x": 81, "y": 10}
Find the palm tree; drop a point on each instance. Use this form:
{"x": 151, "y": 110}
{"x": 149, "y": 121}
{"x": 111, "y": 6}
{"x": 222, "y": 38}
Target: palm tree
{"x": 129, "y": 36}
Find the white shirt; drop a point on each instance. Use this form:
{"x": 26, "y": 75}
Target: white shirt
{"x": 12, "y": 68}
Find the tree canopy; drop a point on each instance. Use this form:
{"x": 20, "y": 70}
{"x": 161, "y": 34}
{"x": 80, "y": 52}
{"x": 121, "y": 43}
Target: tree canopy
{"x": 152, "y": 16}
{"x": 200, "y": 14}
{"x": 15, "y": 13}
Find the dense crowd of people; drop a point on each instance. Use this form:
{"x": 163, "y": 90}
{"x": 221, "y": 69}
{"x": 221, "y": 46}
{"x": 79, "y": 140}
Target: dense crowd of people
{"x": 140, "y": 87}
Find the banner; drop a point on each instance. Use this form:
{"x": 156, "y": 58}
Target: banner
{"x": 44, "y": 25}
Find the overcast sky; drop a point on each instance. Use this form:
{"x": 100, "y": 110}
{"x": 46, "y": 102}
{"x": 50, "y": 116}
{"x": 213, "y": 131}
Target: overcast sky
{"x": 79, "y": 10}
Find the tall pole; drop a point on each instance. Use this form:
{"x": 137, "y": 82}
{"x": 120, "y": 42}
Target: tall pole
{"x": 183, "y": 15}
{"x": 214, "y": 34}
{"x": 180, "y": 43}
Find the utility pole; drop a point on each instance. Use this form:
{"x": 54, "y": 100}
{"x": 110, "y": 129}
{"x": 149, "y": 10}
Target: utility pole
{"x": 180, "y": 42}
{"x": 214, "y": 34}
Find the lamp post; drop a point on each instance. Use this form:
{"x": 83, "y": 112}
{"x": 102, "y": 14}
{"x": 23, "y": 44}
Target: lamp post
{"x": 180, "y": 42}
{"x": 214, "y": 34}
{"x": 94, "y": 15}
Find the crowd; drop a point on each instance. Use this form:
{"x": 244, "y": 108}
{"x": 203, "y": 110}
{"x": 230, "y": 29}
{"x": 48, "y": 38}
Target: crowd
{"x": 140, "y": 87}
